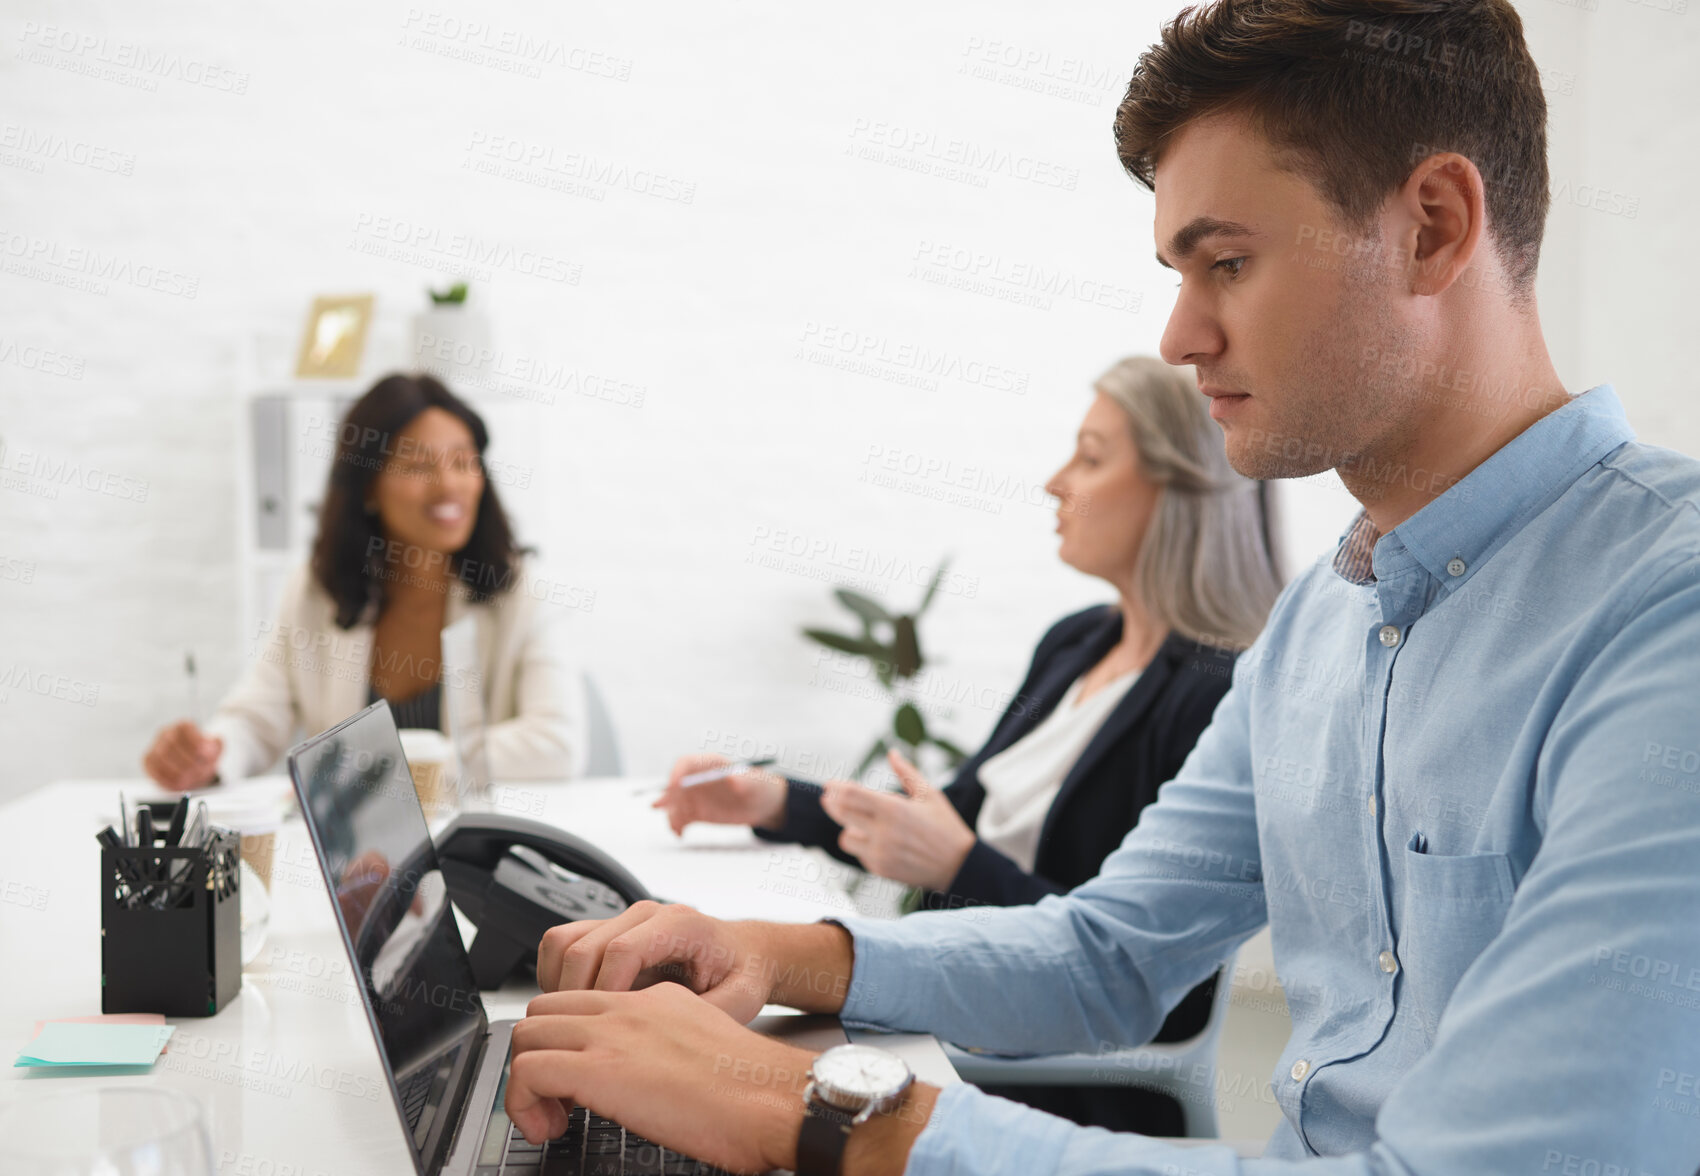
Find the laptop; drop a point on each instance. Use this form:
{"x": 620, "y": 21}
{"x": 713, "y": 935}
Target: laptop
{"x": 445, "y": 1061}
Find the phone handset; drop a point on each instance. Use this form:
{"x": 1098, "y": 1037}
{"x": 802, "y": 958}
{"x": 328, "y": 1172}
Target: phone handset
{"x": 515, "y": 878}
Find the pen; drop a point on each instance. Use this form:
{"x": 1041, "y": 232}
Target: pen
{"x": 197, "y": 831}
{"x": 710, "y": 776}
{"x": 174, "y": 837}
{"x": 109, "y": 838}
{"x": 713, "y": 774}
{"x": 194, "y": 687}
{"x": 124, "y": 819}
{"x": 179, "y": 817}
{"x": 150, "y": 867}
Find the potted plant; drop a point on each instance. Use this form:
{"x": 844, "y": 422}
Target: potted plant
{"x": 891, "y": 643}
{"x": 450, "y": 340}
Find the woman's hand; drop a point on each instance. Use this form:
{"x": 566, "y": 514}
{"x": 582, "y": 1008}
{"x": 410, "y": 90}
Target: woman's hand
{"x": 919, "y": 839}
{"x": 182, "y": 757}
{"x": 755, "y": 797}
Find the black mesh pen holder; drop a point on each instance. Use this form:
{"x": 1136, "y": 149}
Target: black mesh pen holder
{"x": 171, "y": 927}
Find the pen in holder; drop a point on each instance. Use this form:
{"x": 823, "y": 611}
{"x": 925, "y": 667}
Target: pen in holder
{"x": 170, "y": 926}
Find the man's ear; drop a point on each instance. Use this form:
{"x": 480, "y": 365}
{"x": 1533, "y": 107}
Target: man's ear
{"x": 1446, "y": 203}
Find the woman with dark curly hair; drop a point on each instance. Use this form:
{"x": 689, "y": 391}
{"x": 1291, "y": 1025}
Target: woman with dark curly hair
{"x": 412, "y": 537}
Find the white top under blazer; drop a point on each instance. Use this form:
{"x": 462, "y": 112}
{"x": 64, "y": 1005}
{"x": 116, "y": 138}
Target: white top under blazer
{"x": 1023, "y": 779}
{"x": 308, "y": 675}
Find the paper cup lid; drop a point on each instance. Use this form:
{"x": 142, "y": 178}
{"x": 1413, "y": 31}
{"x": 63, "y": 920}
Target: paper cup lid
{"x": 422, "y": 743}
{"x": 245, "y": 809}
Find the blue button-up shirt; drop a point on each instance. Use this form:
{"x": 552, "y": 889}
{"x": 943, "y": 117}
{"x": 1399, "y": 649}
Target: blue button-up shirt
{"x": 1463, "y": 792}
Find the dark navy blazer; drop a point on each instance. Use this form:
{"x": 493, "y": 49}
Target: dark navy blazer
{"x": 1140, "y": 747}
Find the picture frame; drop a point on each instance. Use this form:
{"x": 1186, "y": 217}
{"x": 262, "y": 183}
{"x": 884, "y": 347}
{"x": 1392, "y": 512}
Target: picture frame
{"x": 335, "y": 337}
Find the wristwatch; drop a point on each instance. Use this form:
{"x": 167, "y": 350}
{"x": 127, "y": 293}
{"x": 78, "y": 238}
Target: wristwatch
{"x": 848, "y": 1084}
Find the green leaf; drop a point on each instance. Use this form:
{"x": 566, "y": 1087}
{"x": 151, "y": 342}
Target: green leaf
{"x": 866, "y": 607}
{"x": 859, "y": 646}
{"x": 908, "y": 724}
{"x": 874, "y": 753}
{"x": 905, "y": 648}
{"x": 933, "y": 585}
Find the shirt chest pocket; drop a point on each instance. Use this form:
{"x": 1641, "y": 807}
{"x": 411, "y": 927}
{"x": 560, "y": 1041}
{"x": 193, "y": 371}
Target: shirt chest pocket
{"x": 1450, "y": 908}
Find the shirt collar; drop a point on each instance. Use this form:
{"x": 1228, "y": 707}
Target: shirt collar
{"x": 1475, "y": 517}
{"x": 1354, "y": 560}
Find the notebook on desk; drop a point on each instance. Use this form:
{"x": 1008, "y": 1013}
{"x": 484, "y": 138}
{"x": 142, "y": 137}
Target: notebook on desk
{"x": 445, "y": 1061}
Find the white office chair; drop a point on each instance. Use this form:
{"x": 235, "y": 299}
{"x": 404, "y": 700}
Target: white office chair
{"x": 1184, "y": 1070}
{"x": 602, "y": 745}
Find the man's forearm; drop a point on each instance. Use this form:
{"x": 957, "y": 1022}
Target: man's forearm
{"x": 808, "y": 964}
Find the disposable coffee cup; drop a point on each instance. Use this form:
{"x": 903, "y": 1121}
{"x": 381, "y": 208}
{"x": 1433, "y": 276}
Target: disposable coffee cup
{"x": 254, "y": 812}
{"x": 429, "y": 758}
{"x": 255, "y": 819}
{"x": 259, "y": 849}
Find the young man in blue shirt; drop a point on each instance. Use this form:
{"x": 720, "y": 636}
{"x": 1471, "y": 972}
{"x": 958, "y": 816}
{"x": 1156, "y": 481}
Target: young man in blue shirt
{"x": 1459, "y": 773}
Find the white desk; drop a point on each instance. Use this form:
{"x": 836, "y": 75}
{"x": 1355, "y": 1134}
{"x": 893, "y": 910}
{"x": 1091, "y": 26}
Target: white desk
{"x": 287, "y": 1073}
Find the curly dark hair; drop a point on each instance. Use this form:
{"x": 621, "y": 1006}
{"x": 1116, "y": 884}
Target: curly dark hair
{"x": 349, "y": 552}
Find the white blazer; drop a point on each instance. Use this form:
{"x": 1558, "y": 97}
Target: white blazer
{"x": 310, "y": 675}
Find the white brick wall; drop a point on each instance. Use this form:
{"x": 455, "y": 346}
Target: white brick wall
{"x": 245, "y": 155}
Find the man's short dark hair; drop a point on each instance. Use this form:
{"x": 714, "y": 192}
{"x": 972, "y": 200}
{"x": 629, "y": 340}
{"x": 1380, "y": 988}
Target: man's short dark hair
{"x": 1353, "y": 94}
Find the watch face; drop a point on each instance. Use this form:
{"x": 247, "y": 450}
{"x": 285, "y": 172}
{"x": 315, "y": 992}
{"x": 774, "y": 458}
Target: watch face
{"x": 860, "y": 1072}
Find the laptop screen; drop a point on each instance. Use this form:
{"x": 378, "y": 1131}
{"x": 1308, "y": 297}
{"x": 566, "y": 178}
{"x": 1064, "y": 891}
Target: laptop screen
{"x": 391, "y": 901}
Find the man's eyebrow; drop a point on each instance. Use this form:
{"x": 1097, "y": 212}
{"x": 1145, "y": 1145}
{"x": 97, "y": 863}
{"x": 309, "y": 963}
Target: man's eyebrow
{"x": 1194, "y": 231}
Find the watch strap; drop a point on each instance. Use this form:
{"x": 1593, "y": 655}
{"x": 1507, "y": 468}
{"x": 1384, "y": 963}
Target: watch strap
{"x": 821, "y": 1140}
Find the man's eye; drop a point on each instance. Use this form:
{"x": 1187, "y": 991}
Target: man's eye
{"x": 1236, "y": 262}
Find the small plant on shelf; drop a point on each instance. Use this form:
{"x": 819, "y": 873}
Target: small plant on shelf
{"x": 454, "y": 295}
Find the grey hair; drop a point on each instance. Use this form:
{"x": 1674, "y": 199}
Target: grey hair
{"x": 1205, "y": 569}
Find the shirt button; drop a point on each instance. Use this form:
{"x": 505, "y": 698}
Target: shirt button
{"x": 1300, "y": 1069}
{"x": 1387, "y": 962}
{"x": 1390, "y": 635}
{"x": 1456, "y": 567}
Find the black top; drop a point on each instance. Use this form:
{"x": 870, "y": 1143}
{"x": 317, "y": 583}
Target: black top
{"x": 1140, "y": 747}
{"x": 424, "y": 709}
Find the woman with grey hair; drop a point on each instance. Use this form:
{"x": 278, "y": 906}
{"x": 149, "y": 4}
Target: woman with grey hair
{"x": 1113, "y": 702}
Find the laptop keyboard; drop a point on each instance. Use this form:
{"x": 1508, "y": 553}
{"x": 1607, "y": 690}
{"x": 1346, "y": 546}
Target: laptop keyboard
{"x": 590, "y": 1146}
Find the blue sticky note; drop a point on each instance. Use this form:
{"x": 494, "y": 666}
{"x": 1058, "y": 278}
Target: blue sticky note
{"x": 63, "y": 1043}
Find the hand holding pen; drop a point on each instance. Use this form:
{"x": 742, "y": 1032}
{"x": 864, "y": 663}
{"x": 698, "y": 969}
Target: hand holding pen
{"x": 183, "y": 756}
{"x": 712, "y": 788}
